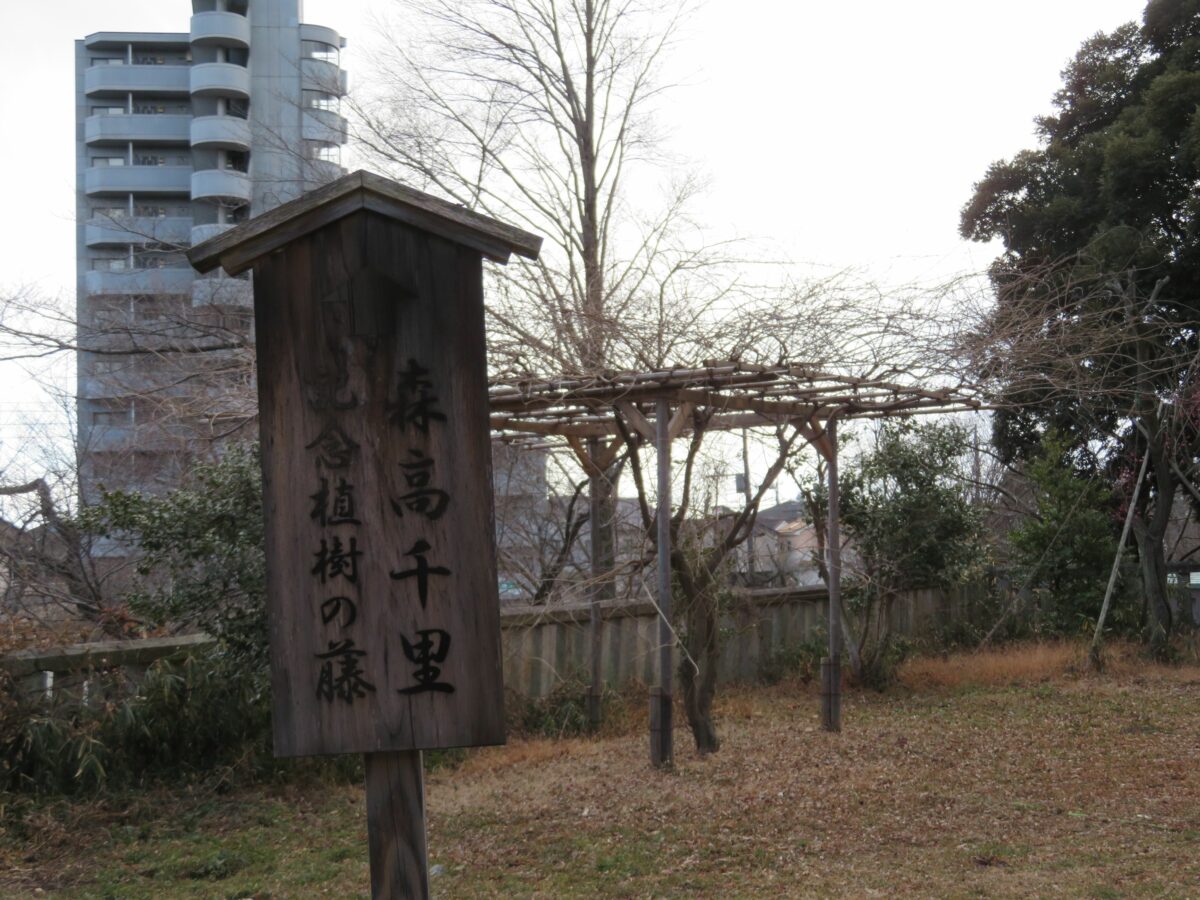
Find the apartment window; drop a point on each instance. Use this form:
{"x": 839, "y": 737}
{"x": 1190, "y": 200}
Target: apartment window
{"x": 325, "y": 152}
{"x": 148, "y": 59}
{"x": 229, "y": 214}
{"x": 108, "y": 110}
{"x": 319, "y": 50}
{"x": 158, "y": 309}
{"x": 239, "y": 109}
{"x": 115, "y": 413}
{"x": 111, "y": 366}
{"x": 149, "y": 109}
{"x": 237, "y": 161}
{"x": 110, "y": 311}
{"x": 158, "y": 259}
{"x": 321, "y": 100}
{"x": 157, "y": 159}
{"x": 109, "y": 212}
{"x": 117, "y": 264}
{"x": 149, "y": 211}
{"x": 136, "y": 467}
{"x": 100, "y": 162}
{"x": 108, "y": 60}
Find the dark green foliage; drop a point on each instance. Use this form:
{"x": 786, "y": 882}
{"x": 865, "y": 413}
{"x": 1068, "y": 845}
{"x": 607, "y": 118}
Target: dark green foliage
{"x": 563, "y": 712}
{"x": 201, "y": 558}
{"x": 800, "y": 660}
{"x": 1065, "y": 551}
{"x": 1109, "y": 193}
{"x": 1119, "y": 158}
{"x": 200, "y": 565}
{"x": 184, "y": 719}
{"x": 909, "y": 525}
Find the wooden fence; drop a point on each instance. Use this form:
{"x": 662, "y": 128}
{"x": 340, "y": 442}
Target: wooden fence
{"x": 545, "y": 645}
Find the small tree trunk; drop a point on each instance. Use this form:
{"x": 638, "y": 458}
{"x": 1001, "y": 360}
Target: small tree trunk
{"x": 853, "y": 644}
{"x": 698, "y": 672}
{"x": 1154, "y": 586}
{"x": 1150, "y": 532}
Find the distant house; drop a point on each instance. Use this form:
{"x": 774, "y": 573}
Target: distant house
{"x": 781, "y": 550}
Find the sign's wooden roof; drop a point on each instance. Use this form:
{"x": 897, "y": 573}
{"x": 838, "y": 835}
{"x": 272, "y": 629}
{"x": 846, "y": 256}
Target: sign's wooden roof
{"x": 237, "y": 249}
{"x": 740, "y": 395}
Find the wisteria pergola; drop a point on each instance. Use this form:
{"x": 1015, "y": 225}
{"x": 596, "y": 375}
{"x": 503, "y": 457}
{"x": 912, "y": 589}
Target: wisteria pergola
{"x": 595, "y": 415}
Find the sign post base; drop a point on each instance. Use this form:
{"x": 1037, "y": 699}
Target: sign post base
{"x": 396, "y": 825}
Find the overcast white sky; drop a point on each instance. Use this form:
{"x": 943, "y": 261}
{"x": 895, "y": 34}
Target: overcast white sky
{"x": 839, "y": 134}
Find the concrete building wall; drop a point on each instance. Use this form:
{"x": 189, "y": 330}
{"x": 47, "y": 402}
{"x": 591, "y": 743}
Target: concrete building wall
{"x": 178, "y": 137}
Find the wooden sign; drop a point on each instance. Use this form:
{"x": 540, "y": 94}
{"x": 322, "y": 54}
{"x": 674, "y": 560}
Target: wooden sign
{"x": 381, "y": 572}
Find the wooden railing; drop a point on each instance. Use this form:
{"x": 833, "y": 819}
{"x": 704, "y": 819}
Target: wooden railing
{"x": 70, "y": 667}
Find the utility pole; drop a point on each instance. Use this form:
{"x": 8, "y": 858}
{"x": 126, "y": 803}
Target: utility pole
{"x": 748, "y": 493}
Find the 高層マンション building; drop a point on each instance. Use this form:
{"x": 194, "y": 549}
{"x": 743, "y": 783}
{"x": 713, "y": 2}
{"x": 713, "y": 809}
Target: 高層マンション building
{"x": 178, "y": 137}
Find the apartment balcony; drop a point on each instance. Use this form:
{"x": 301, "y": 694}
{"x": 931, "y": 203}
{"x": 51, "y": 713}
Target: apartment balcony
{"x": 321, "y": 75}
{"x": 322, "y": 34}
{"x": 201, "y": 233}
{"x": 220, "y": 29}
{"x": 146, "y": 437}
{"x": 222, "y": 291}
{"x": 220, "y": 133}
{"x": 139, "y": 281}
{"x": 221, "y": 184}
{"x": 220, "y": 80}
{"x": 237, "y": 6}
{"x": 123, "y": 79}
{"x": 323, "y": 125}
{"x": 318, "y": 172}
{"x": 151, "y": 40}
{"x": 101, "y": 438}
{"x": 137, "y": 180}
{"x": 155, "y": 129}
{"x": 105, "y": 232}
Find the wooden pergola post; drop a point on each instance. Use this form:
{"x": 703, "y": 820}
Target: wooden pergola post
{"x": 831, "y": 666}
{"x": 661, "y": 742}
{"x": 595, "y": 623}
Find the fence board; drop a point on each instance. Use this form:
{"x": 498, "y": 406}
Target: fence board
{"x": 544, "y": 646}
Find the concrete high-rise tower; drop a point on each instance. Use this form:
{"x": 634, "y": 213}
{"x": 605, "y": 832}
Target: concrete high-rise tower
{"x": 178, "y": 137}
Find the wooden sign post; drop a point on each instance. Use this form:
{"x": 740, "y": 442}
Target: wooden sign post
{"x": 381, "y": 575}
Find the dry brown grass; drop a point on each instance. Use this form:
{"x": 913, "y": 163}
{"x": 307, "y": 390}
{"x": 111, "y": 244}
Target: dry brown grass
{"x": 1021, "y": 776}
{"x": 1030, "y": 663}
{"x": 1019, "y": 664}
{"x": 1025, "y": 777}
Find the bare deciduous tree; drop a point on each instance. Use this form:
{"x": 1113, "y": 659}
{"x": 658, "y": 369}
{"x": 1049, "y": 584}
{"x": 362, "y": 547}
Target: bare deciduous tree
{"x": 539, "y": 112}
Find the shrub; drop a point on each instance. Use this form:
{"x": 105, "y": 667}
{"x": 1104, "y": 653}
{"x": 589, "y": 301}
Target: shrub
{"x": 1065, "y": 551}
{"x": 185, "y": 718}
{"x": 200, "y": 555}
{"x": 801, "y": 660}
